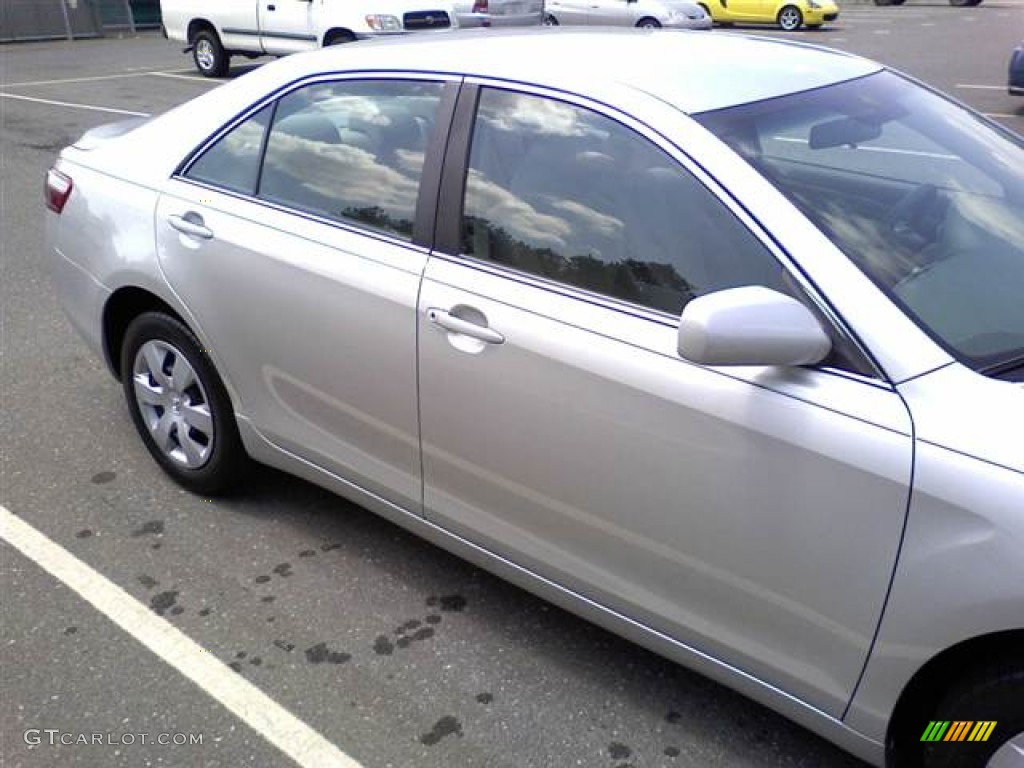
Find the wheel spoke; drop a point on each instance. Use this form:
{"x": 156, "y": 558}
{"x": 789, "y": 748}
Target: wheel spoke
{"x": 193, "y": 451}
{"x": 146, "y": 393}
{"x": 163, "y": 432}
{"x": 155, "y": 358}
{"x": 198, "y": 418}
{"x": 182, "y": 375}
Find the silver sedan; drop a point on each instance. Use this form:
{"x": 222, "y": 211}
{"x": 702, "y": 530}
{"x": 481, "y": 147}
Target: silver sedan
{"x": 731, "y": 364}
{"x": 678, "y": 14}
{"x": 499, "y": 13}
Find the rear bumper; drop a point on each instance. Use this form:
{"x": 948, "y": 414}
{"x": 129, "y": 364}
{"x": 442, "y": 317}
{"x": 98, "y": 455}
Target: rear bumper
{"x": 82, "y": 297}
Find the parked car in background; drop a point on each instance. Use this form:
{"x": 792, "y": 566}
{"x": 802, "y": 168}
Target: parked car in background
{"x": 214, "y": 32}
{"x": 726, "y": 358}
{"x": 499, "y": 13}
{"x": 678, "y": 14}
{"x": 787, "y": 14}
{"x": 1015, "y": 82}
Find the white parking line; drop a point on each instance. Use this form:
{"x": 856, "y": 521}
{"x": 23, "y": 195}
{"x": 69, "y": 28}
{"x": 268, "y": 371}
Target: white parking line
{"x": 94, "y": 78}
{"x": 981, "y": 87}
{"x": 177, "y": 76}
{"x": 273, "y": 722}
{"x": 73, "y": 105}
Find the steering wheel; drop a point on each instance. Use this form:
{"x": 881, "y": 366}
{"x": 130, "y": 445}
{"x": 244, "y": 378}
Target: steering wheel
{"x": 914, "y": 220}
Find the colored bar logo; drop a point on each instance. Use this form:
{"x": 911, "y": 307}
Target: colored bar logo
{"x": 958, "y": 730}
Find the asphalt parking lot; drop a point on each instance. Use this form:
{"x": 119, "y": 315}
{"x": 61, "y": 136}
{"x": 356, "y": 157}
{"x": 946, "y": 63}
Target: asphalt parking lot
{"x": 392, "y": 651}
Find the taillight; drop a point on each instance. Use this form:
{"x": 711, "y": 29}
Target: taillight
{"x": 58, "y": 190}
{"x": 479, "y": 6}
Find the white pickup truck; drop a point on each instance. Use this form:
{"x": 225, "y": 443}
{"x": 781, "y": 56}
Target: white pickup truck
{"x": 214, "y": 31}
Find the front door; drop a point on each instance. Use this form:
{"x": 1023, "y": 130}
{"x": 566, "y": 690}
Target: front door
{"x": 752, "y": 514}
{"x": 286, "y": 26}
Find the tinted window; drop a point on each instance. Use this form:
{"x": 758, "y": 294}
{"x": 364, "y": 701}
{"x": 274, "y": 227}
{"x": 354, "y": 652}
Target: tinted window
{"x": 352, "y": 150}
{"x": 233, "y": 161}
{"x": 574, "y": 196}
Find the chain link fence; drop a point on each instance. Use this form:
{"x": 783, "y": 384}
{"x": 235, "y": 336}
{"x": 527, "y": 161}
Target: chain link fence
{"x": 52, "y": 19}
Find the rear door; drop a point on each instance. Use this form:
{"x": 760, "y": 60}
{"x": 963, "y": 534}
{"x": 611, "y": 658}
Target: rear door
{"x": 752, "y": 514}
{"x": 286, "y": 26}
{"x": 293, "y": 240}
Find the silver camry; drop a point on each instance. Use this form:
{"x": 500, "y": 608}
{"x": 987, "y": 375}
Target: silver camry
{"x": 650, "y": 14}
{"x": 729, "y": 364}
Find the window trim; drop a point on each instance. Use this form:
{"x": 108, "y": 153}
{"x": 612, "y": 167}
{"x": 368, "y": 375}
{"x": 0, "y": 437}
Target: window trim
{"x": 447, "y": 235}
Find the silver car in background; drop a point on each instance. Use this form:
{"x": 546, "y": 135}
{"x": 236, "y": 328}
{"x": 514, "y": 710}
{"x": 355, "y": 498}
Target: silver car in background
{"x": 731, "y": 363}
{"x": 499, "y": 13}
{"x": 676, "y": 14}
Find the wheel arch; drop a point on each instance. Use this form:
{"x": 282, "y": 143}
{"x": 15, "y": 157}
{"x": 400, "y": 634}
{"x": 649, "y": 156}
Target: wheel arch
{"x": 923, "y": 690}
{"x": 195, "y": 26}
{"x": 334, "y": 32}
{"x": 123, "y": 306}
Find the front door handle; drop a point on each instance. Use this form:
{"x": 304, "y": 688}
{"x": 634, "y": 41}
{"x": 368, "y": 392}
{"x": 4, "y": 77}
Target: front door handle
{"x": 450, "y": 322}
{"x": 191, "y": 224}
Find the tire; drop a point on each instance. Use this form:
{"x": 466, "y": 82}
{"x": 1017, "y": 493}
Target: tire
{"x": 179, "y": 405}
{"x": 209, "y": 55}
{"x": 790, "y": 18}
{"x": 994, "y": 692}
{"x": 550, "y": 21}
{"x": 648, "y": 23}
{"x": 338, "y": 37}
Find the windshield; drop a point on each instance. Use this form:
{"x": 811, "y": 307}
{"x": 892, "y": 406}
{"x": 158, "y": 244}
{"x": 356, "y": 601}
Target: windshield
{"x": 922, "y": 195}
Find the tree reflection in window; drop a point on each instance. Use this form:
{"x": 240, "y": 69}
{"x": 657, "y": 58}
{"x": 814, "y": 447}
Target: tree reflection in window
{"x": 573, "y": 196}
{"x": 352, "y": 150}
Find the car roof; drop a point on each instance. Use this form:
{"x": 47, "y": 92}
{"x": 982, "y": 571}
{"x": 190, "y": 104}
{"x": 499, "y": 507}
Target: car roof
{"x": 693, "y": 71}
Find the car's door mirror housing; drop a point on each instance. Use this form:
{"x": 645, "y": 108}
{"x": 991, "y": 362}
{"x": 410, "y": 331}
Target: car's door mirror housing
{"x": 751, "y": 325}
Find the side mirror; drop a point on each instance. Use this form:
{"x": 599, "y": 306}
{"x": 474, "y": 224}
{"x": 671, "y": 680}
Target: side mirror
{"x": 752, "y": 325}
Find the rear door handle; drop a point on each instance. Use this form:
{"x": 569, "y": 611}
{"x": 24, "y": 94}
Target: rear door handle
{"x": 191, "y": 224}
{"x": 455, "y": 324}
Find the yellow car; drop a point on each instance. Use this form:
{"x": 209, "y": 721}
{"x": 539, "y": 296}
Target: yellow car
{"x": 788, "y": 14}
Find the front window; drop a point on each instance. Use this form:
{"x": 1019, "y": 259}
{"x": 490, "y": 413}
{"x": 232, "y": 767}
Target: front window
{"x": 923, "y": 196}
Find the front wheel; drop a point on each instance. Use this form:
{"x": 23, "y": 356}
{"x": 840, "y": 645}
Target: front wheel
{"x": 550, "y": 21}
{"x": 209, "y": 55}
{"x": 980, "y": 720}
{"x": 179, "y": 404}
{"x": 790, "y": 18}
{"x": 648, "y": 23}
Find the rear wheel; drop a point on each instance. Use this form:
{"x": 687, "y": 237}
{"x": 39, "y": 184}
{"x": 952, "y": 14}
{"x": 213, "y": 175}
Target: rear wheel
{"x": 790, "y": 18}
{"x": 209, "y": 55}
{"x": 179, "y": 404}
{"x": 550, "y": 21}
{"x": 338, "y": 37}
{"x": 648, "y": 23}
